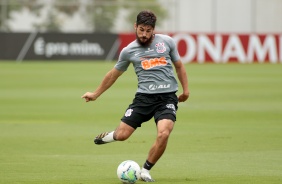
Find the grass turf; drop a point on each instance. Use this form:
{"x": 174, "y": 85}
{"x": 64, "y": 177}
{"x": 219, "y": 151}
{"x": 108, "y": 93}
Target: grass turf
{"x": 229, "y": 131}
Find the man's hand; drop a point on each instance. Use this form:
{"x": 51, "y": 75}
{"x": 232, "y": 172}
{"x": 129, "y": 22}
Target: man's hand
{"x": 107, "y": 82}
{"x": 183, "y": 97}
{"x": 89, "y": 97}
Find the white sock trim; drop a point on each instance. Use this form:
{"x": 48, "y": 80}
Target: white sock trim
{"x": 109, "y": 137}
{"x": 143, "y": 170}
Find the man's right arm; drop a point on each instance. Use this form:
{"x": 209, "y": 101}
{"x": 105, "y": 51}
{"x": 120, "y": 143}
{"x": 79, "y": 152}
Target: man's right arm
{"x": 106, "y": 83}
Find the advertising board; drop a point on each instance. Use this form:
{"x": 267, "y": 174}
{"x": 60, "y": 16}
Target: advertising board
{"x": 58, "y": 46}
{"x": 224, "y": 48}
{"x": 192, "y": 47}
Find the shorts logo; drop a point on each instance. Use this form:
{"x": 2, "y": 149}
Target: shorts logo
{"x": 160, "y": 48}
{"x": 128, "y": 112}
{"x": 153, "y": 87}
{"x": 170, "y": 106}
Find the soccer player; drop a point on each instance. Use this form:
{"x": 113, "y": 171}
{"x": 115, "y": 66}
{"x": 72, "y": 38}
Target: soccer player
{"x": 153, "y": 57}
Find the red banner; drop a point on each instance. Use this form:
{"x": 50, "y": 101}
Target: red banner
{"x": 224, "y": 48}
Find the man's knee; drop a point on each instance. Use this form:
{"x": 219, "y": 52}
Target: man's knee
{"x": 165, "y": 127}
{"x": 123, "y": 132}
{"x": 163, "y": 135}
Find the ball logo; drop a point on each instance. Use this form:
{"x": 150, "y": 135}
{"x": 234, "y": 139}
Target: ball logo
{"x": 160, "y": 48}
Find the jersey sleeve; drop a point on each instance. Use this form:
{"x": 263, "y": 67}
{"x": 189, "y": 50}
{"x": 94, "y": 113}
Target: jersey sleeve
{"x": 123, "y": 60}
{"x": 174, "y": 54}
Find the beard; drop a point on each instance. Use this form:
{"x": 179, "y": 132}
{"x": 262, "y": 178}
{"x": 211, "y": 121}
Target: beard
{"x": 144, "y": 41}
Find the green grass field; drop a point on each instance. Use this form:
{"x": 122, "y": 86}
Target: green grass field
{"x": 228, "y": 132}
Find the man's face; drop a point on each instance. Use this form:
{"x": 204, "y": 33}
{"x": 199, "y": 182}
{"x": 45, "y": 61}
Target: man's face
{"x": 144, "y": 34}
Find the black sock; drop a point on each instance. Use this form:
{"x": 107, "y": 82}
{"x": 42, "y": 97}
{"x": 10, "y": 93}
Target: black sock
{"x": 148, "y": 165}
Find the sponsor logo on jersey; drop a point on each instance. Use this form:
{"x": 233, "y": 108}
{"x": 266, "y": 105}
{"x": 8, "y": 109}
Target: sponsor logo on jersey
{"x": 149, "y": 50}
{"x": 154, "y": 87}
{"x": 160, "y": 47}
{"x": 136, "y": 54}
{"x": 151, "y": 63}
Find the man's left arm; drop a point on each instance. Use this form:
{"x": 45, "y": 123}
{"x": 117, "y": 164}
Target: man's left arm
{"x": 182, "y": 76}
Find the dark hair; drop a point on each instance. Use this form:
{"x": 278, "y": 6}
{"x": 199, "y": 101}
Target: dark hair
{"x": 146, "y": 17}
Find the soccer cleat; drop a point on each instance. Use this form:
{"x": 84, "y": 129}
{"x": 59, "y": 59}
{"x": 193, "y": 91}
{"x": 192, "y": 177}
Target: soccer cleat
{"x": 146, "y": 177}
{"x": 99, "y": 138}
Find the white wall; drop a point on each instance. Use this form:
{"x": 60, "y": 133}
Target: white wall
{"x": 269, "y": 16}
{"x": 224, "y": 16}
{"x": 234, "y": 16}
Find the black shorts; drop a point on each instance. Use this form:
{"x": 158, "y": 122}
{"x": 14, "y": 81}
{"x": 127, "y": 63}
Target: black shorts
{"x": 145, "y": 106}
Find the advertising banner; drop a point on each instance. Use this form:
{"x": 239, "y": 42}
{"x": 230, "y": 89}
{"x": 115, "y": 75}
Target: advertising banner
{"x": 192, "y": 47}
{"x": 58, "y": 46}
{"x": 224, "y": 48}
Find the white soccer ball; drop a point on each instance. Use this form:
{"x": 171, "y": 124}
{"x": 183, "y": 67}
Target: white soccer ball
{"x": 128, "y": 171}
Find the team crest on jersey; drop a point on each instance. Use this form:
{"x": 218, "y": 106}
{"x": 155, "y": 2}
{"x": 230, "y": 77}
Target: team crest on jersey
{"x": 160, "y": 47}
{"x": 128, "y": 112}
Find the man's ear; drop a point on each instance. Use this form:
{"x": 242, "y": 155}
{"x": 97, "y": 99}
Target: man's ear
{"x": 135, "y": 26}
